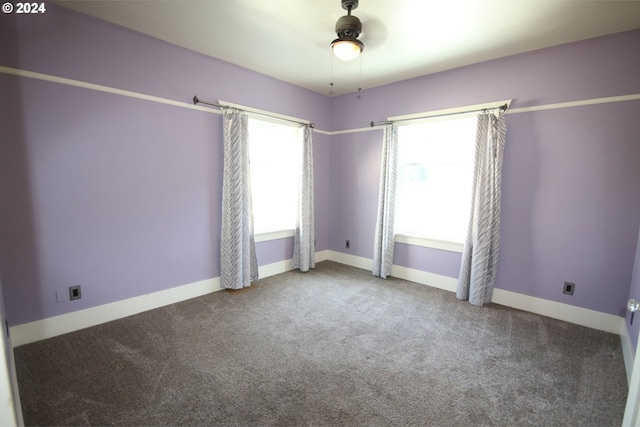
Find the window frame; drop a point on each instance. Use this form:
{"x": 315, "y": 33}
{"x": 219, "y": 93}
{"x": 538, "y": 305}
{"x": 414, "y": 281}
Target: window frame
{"x": 275, "y": 232}
{"x": 434, "y": 115}
{"x": 273, "y": 235}
{"x": 415, "y": 240}
{"x": 258, "y": 114}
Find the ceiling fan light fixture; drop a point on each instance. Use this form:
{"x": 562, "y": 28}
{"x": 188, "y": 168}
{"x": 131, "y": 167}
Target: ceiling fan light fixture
{"x": 347, "y": 49}
{"x": 348, "y": 28}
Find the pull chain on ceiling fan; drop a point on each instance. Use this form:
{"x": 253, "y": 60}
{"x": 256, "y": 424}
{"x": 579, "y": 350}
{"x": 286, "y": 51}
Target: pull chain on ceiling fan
{"x": 348, "y": 28}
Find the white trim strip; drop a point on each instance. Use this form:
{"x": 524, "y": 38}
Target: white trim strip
{"x": 429, "y": 243}
{"x": 272, "y": 269}
{"x": 138, "y": 95}
{"x": 102, "y": 88}
{"x": 581, "y": 103}
{"x": 340, "y": 132}
{"x": 322, "y": 255}
{"x": 457, "y": 110}
{"x": 268, "y": 270}
{"x": 570, "y": 104}
{"x": 352, "y": 260}
{"x": 425, "y": 278}
{"x": 58, "y": 325}
{"x": 131, "y": 94}
{"x": 568, "y": 313}
{"x": 273, "y": 235}
{"x": 53, "y": 326}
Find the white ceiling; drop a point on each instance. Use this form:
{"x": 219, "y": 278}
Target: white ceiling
{"x": 289, "y": 39}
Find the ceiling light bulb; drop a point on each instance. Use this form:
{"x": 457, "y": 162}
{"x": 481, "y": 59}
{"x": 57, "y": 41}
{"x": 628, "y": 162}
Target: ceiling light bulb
{"x": 347, "y": 49}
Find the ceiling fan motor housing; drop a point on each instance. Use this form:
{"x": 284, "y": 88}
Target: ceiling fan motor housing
{"x": 348, "y": 27}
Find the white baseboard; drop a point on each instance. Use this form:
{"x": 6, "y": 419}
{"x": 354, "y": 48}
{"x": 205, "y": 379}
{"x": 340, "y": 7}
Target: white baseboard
{"x": 286, "y": 265}
{"x": 47, "y": 328}
{"x": 568, "y": 313}
{"x": 58, "y": 325}
{"x": 275, "y": 268}
{"x": 352, "y": 260}
{"x": 425, "y": 278}
{"x": 53, "y": 326}
{"x": 322, "y": 255}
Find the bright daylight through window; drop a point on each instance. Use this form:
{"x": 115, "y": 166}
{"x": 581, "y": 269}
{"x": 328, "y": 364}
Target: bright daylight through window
{"x": 275, "y": 151}
{"x": 435, "y": 172}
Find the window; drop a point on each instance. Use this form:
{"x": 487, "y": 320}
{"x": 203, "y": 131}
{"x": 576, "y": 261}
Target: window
{"x": 435, "y": 173}
{"x": 275, "y": 151}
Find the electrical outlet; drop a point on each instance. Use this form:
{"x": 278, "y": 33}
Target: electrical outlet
{"x": 74, "y": 292}
{"x": 568, "y": 288}
{"x": 347, "y": 244}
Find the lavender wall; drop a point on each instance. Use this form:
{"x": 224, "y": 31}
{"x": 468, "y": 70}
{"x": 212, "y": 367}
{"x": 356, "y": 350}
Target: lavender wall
{"x": 601, "y": 67}
{"x": 119, "y": 195}
{"x": 122, "y": 195}
{"x": 68, "y": 44}
{"x": 354, "y": 183}
{"x": 570, "y": 210}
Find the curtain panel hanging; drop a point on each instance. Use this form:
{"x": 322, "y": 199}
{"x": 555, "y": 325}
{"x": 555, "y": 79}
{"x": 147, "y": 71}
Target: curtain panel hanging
{"x": 384, "y": 233}
{"x": 238, "y": 262}
{"x": 304, "y": 252}
{"x": 480, "y": 253}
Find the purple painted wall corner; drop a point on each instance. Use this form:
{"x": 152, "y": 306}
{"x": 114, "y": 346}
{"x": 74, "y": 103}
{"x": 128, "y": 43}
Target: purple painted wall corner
{"x": 122, "y": 195}
{"x": 570, "y": 210}
{"x": 119, "y": 195}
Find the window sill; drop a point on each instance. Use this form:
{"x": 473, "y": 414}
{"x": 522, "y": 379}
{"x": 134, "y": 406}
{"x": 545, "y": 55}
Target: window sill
{"x": 273, "y": 235}
{"x": 429, "y": 243}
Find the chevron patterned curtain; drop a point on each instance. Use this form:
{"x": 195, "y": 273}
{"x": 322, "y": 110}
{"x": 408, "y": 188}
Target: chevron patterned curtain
{"x": 238, "y": 262}
{"x": 480, "y": 253}
{"x": 304, "y": 252}
{"x": 384, "y": 234}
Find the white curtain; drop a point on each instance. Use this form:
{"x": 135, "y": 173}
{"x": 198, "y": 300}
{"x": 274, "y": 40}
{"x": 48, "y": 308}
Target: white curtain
{"x": 384, "y": 235}
{"x": 480, "y": 253}
{"x": 238, "y": 262}
{"x": 304, "y": 252}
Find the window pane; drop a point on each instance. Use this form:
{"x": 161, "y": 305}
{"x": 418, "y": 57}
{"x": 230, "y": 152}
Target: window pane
{"x": 275, "y": 155}
{"x": 435, "y": 170}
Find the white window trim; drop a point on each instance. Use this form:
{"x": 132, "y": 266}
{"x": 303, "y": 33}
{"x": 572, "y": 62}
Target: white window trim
{"x": 265, "y": 236}
{"x": 426, "y": 242}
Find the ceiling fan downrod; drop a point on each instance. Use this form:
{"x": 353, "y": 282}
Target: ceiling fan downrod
{"x": 349, "y": 27}
{"x": 349, "y": 5}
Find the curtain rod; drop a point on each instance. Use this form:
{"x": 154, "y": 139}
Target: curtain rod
{"x": 388, "y": 122}
{"x": 196, "y": 101}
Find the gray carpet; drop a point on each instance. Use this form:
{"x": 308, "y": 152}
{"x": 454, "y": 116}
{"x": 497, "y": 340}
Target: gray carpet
{"x": 334, "y": 346}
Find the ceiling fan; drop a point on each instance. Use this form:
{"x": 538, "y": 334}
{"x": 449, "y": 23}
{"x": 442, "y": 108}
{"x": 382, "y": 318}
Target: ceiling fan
{"x": 348, "y": 28}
